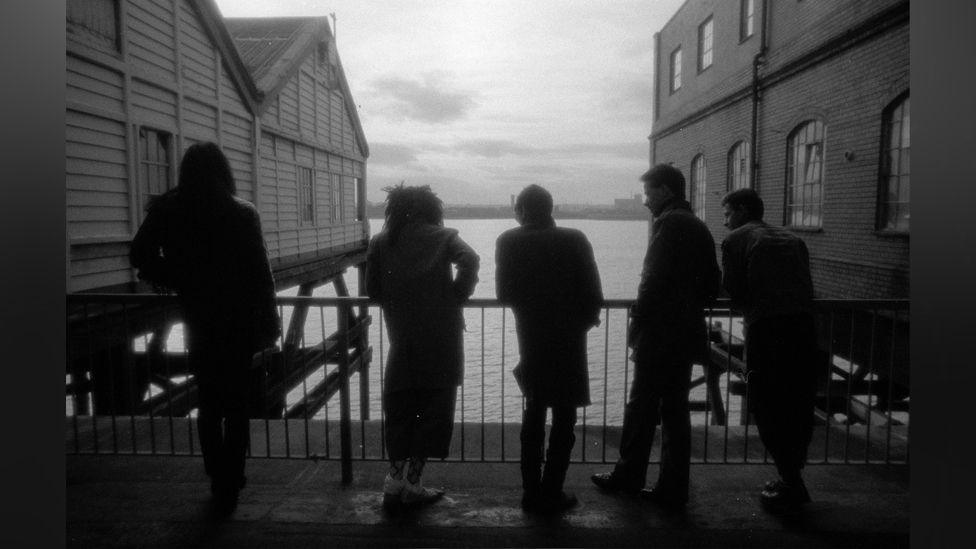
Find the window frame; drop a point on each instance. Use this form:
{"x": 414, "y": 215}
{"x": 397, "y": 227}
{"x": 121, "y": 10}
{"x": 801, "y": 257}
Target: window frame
{"x": 747, "y": 20}
{"x": 146, "y": 165}
{"x": 884, "y": 164}
{"x": 739, "y": 151}
{"x": 793, "y": 147}
{"x": 335, "y": 187}
{"x": 675, "y": 55}
{"x": 305, "y": 186}
{"x": 699, "y": 178}
{"x": 710, "y": 23}
{"x": 91, "y": 37}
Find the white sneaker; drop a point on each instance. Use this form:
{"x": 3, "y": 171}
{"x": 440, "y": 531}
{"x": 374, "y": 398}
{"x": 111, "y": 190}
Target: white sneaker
{"x": 416, "y": 494}
{"x": 392, "y": 490}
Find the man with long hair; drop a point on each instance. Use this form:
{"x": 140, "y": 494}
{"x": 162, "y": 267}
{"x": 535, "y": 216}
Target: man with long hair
{"x": 205, "y": 243}
{"x": 548, "y": 275}
{"x": 409, "y": 271}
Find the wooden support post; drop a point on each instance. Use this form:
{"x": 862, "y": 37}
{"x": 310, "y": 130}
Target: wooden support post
{"x": 296, "y": 327}
{"x": 360, "y": 344}
{"x": 345, "y": 421}
{"x": 712, "y": 375}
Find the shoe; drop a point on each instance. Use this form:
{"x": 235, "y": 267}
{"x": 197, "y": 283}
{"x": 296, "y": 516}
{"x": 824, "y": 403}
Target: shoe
{"x": 531, "y": 501}
{"x": 609, "y": 483}
{"x": 416, "y": 494}
{"x": 225, "y": 500}
{"x": 780, "y": 496}
{"x": 668, "y": 500}
{"x": 392, "y": 491}
{"x": 557, "y": 502}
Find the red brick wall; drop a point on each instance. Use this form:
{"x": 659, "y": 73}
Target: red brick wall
{"x": 848, "y": 92}
{"x": 731, "y": 61}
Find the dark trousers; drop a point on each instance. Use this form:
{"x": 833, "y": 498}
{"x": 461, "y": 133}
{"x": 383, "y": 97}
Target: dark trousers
{"x": 780, "y": 353}
{"x": 222, "y": 423}
{"x": 561, "y": 440}
{"x": 659, "y": 393}
{"x": 419, "y": 422}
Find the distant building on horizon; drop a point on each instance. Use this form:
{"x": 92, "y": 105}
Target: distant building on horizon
{"x": 808, "y": 103}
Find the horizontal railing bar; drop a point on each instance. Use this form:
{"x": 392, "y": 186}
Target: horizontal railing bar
{"x": 721, "y": 305}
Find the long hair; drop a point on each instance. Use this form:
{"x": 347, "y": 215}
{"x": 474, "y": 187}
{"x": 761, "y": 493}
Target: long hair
{"x": 411, "y": 204}
{"x": 205, "y": 172}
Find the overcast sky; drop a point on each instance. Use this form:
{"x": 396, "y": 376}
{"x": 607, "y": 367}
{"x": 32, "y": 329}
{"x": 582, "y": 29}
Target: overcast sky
{"x": 480, "y": 98}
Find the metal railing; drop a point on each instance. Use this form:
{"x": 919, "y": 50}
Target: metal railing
{"x": 129, "y": 389}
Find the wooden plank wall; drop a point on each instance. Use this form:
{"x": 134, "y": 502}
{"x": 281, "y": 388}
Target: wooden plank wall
{"x": 307, "y": 126}
{"x": 165, "y": 74}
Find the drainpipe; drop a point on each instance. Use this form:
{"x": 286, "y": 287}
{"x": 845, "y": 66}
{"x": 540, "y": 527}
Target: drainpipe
{"x": 652, "y": 153}
{"x": 757, "y": 61}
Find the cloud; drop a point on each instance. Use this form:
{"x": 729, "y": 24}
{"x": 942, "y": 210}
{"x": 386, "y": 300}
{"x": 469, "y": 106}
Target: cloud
{"x": 391, "y": 154}
{"x": 630, "y": 149}
{"x": 631, "y": 97}
{"x": 428, "y": 101}
{"x": 493, "y": 148}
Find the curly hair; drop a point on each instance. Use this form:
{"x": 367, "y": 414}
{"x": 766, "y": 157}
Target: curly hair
{"x": 411, "y": 204}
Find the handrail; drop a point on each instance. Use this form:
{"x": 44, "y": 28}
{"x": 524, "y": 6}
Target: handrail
{"x": 720, "y": 304}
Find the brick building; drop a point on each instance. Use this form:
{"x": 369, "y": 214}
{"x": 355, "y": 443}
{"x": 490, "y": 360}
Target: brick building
{"x": 808, "y": 103}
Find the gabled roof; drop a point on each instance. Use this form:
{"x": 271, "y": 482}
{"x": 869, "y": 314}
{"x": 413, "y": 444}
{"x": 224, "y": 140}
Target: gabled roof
{"x": 273, "y": 49}
{"x": 214, "y": 23}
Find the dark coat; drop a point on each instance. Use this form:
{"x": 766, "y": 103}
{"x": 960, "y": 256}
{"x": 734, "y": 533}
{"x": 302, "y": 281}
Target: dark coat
{"x": 548, "y": 276}
{"x": 421, "y": 301}
{"x": 766, "y": 271}
{"x": 213, "y": 255}
{"x": 680, "y": 278}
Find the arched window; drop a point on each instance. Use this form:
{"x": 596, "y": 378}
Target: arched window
{"x": 738, "y": 166}
{"x": 805, "y": 175}
{"x": 698, "y": 186}
{"x": 894, "y": 202}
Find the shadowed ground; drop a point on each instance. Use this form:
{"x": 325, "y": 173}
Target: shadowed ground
{"x": 156, "y": 501}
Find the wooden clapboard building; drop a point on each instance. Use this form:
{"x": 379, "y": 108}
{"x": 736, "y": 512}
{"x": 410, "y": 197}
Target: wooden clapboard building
{"x": 145, "y": 80}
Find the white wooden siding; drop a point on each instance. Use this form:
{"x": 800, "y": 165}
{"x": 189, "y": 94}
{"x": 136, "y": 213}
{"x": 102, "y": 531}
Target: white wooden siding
{"x": 150, "y": 24}
{"x": 153, "y": 106}
{"x": 95, "y": 86}
{"x": 306, "y": 102}
{"x": 96, "y": 177}
{"x": 288, "y": 102}
{"x": 230, "y": 95}
{"x": 199, "y": 120}
{"x": 199, "y": 58}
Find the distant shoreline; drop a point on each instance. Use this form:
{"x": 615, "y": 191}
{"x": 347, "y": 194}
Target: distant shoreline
{"x": 505, "y": 212}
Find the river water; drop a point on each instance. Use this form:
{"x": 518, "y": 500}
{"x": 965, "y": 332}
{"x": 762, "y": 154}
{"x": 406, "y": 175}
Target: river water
{"x": 489, "y": 392}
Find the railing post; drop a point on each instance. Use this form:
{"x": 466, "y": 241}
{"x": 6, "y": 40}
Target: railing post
{"x": 345, "y": 422}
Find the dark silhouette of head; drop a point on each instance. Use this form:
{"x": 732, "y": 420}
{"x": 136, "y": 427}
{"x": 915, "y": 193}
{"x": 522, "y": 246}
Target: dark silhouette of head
{"x": 533, "y": 204}
{"x": 742, "y": 206}
{"x": 416, "y": 204}
{"x": 666, "y": 175}
{"x": 662, "y": 185}
{"x": 205, "y": 172}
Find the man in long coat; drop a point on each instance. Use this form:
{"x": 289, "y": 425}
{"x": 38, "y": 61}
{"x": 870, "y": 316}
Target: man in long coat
{"x": 548, "y": 276}
{"x": 668, "y": 333}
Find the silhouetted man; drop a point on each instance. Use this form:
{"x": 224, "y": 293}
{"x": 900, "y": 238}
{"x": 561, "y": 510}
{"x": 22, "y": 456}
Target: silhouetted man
{"x": 549, "y": 277}
{"x": 767, "y": 275}
{"x": 668, "y": 334}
